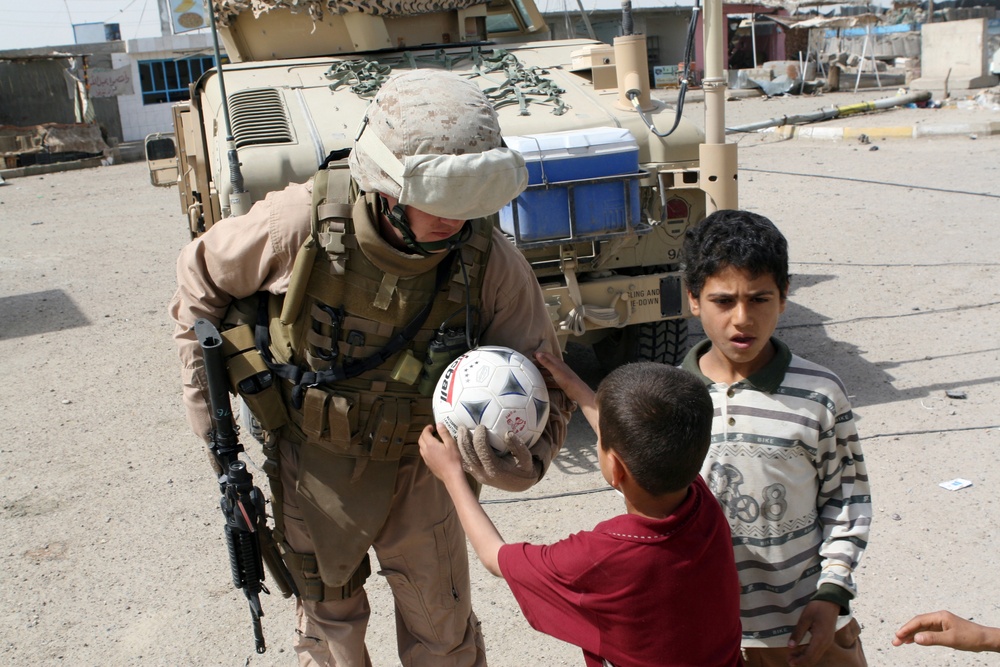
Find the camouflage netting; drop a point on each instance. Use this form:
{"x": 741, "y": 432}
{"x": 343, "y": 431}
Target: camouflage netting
{"x": 226, "y": 10}
{"x": 510, "y": 82}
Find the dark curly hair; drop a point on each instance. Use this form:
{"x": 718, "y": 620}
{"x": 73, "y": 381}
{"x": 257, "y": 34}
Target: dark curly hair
{"x": 740, "y": 239}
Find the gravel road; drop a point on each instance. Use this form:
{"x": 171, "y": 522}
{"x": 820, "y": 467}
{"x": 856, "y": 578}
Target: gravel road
{"x": 112, "y": 550}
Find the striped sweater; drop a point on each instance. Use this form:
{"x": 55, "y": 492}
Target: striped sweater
{"x": 786, "y": 465}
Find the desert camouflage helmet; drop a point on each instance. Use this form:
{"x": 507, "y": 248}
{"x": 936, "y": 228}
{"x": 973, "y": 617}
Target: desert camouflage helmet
{"x": 421, "y": 115}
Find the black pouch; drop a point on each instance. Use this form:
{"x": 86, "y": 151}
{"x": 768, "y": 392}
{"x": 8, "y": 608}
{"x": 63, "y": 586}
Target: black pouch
{"x": 250, "y": 377}
{"x": 446, "y": 346}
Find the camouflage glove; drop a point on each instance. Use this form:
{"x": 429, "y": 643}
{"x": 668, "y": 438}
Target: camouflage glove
{"x": 516, "y": 470}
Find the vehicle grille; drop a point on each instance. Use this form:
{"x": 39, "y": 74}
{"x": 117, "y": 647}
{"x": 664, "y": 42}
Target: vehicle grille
{"x": 259, "y": 117}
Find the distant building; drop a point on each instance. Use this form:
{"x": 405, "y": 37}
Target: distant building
{"x": 161, "y": 68}
{"x": 665, "y": 27}
{"x": 126, "y": 87}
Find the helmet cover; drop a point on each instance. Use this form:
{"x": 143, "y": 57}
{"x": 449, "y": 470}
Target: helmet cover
{"x": 418, "y": 119}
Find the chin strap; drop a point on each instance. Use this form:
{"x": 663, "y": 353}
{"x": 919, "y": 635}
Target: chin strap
{"x": 397, "y": 218}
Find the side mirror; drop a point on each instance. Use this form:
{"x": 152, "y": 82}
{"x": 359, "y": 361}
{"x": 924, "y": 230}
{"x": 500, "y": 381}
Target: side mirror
{"x": 161, "y": 159}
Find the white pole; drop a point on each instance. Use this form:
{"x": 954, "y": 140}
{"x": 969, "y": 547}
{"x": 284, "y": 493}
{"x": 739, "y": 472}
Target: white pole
{"x": 861, "y": 65}
{"x": 878, "y": 80}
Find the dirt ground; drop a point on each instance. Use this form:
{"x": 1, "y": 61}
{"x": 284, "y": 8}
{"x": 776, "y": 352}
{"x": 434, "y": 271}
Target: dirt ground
{"x": 112, "y": 548}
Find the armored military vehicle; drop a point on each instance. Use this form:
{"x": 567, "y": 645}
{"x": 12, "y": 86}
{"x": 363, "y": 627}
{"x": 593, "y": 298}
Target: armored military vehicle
{"x": 617, "y": 177}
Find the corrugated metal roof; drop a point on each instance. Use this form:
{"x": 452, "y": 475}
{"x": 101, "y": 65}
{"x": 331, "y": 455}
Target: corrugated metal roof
{"x": 559, "y": 6}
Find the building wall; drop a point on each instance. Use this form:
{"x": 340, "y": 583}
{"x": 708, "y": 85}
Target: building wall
{"x": 138, "y": 119}
{"x": 665, "y": 29}
{"x": 49, "y": 101}
{"x": 769, "y": 47}
{"x": 36, "y": 91}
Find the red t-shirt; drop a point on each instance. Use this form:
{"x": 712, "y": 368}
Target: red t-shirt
{"x": 637, "y": 592}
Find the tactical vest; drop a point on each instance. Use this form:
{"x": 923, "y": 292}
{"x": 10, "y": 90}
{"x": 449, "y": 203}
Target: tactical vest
{"x": 347, "y": 345}
{"x": 350, "y": 312}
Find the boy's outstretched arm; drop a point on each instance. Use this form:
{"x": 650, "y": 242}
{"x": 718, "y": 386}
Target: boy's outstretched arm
{"x": 574, "y": 388}
{"x": 943, "y": 628}
{"x": 444, "y": 460}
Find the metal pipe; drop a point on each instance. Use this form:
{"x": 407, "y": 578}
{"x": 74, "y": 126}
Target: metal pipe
{"x": 586, "y": 20}
{"x": 834, "y": 112}
{"x": 713, "y": 81}
{"x": 717, "y": 159}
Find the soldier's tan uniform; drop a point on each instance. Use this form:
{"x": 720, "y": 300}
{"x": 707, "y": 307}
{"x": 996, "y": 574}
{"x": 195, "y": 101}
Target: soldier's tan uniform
{"x": 420, "y": 545}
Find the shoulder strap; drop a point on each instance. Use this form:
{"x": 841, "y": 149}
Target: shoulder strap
{"x": 332, "y": 199}
{"x": 333, "y": 204}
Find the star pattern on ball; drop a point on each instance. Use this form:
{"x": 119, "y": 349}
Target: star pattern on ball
{"x": 511, "y": 387}
{"x": 504, "y": 353}
{"x": 541, "y": 411}
{"x": 476, "y": 409}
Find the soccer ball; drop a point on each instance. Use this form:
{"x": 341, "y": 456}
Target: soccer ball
{"x": 497, "y": 387}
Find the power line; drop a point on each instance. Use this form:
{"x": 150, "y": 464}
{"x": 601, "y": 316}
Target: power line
{"x": 135, "y": 35}
{"x": 507, "y": 501}
{"x": 122, "y": 11}
{"x": 873, "y": 182}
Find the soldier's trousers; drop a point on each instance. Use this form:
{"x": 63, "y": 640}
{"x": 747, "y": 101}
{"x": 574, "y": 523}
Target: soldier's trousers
{"x": 422, "y": 554}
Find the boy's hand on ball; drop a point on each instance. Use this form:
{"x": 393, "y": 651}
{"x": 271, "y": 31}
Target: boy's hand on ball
{"x": 440, "y": 455}
{"x": 514, "y": 471}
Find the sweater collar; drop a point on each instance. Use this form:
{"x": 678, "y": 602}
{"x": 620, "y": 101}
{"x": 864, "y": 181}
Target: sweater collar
{"x": 767, "y": 379}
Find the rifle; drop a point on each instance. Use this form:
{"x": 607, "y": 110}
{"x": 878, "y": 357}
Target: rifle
{"x": 242, "y": 503}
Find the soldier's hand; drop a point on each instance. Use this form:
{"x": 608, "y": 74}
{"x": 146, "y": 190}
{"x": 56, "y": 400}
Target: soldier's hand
{"x": 514, "y": 471}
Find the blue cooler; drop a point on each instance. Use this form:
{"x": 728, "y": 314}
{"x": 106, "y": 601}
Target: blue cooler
{"x": 553, "y": 159}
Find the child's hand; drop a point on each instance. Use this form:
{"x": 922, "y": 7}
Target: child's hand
{"x": 943, "y": 628}
{"x": 440, "y": 455}
{"x": 819, "y": 619}
{"x": 576, "y": 389}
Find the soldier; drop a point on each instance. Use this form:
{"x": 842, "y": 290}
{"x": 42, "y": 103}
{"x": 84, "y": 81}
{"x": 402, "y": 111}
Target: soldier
{"x": 360, "y": 273}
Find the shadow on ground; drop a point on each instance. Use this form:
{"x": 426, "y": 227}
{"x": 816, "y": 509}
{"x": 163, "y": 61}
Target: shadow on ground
{"x": 38, "y": 312}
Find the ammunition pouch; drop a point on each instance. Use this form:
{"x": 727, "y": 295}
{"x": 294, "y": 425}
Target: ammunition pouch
{"x": 360, "y": 424}
{"x": 304, "y": 569}
{"x": 251, "y": 378}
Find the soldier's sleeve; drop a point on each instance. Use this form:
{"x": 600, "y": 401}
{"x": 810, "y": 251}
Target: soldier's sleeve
{"x": 235, "y": 258}
{"x": 514, "y": 315}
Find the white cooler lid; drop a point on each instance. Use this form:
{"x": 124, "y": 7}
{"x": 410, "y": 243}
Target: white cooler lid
{"x": 573, "y": 143}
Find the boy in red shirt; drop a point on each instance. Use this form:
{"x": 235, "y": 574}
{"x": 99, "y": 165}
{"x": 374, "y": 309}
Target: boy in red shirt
{"x": 655, "y": 587}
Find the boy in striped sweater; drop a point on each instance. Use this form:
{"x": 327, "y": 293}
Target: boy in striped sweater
{"x": 785, "y": 461}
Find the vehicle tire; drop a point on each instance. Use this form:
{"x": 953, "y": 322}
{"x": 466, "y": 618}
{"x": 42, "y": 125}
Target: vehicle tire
{"x": 664, "y": 341}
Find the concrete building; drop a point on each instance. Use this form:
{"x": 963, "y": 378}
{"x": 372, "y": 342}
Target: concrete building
{"x": 665, "y": 25}
{"x": 126, "y": 87}
{"x": 161, "y": 69}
